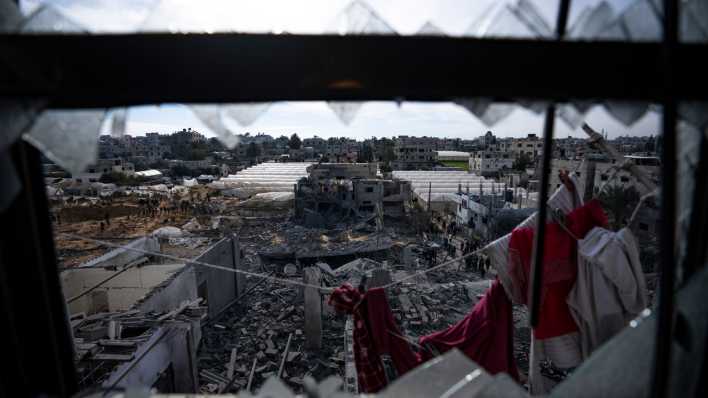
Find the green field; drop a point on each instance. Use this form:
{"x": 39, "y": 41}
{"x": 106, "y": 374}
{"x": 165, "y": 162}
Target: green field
{"x": 457, "y": 163}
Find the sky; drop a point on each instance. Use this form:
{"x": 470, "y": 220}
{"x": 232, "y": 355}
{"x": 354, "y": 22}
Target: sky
{"x": 380, "y": 119}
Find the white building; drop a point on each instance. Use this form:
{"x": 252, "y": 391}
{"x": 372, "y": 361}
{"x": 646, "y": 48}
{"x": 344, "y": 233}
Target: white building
{"x": 489, "y": 162}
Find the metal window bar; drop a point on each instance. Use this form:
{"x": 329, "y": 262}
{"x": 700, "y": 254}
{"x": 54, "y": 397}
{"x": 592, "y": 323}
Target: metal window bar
{"x": 537, "y": 264}
{"x": 665, "y": 317}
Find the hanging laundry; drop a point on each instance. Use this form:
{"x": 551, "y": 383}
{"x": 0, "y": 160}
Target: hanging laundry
{"x": 556, "y": 337}
{"x": 559, "y": 266}
{"x": 610, "y": 289}
{"x": 373, "y": 324}
{"x": 485, "y": 335}
{"x": 497, "y": 251}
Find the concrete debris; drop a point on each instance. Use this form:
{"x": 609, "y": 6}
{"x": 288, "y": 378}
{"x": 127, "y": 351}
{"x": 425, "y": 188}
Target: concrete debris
{"x": 290, "y": 269}
{"x": 168, "y": 232}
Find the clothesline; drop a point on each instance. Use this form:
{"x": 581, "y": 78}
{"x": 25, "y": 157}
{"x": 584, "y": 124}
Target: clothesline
{"x": 254, "y": 274}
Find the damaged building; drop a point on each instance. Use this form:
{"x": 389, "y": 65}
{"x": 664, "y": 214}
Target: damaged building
{"x": 334, "y": 192}
{"x": 136, "y": 317}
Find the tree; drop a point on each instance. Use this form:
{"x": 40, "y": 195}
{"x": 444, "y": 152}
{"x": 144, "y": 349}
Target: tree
{"x": 253, "y": 151}
{"x": 619, "y": 203}
{"x": 366, "y": 154}
{"x": 522, "y": 162}
{"x": 295, "y": 142}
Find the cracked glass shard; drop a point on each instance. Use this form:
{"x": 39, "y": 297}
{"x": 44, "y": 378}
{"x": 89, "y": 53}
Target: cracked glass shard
{"x": 592, "y": 21}
{"x": 210, "y": 115}
{"x": 626, "y": 113}
{"x": 486, "y": 111}
{"x": 10, "y": 16}
{"x": 642, "y": 21}
{"x": 570, "y": 115}
{"x": 510, "y": 20}
{"x": 345, "y": 110}
{"x": 430, "y": 29}
{"x": 534, "y": 106}
{"x": 528, "y": 13}
{"x": 16, "y": 117}
{"x": 614, "y": 31}
{"x": 695, "y": 113}
{"x": 359, "y": 18}
{"x": 118, "y": 122}
{"x": 694, "y": 21}
{"x": 48, "y": 19}
{"x": 247, "y": 113}
{"x": 583, "y": 106}
{"x": 503, "y": 22}
{"x": 68, "y": 137}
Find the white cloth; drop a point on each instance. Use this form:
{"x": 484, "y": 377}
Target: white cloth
{"x": 563, "y": 351}
{"x": 610, "y": 289}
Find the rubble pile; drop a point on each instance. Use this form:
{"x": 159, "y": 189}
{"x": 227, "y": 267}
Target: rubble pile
{"x": 258, "y": 329}
{"x": 105, "y": 340}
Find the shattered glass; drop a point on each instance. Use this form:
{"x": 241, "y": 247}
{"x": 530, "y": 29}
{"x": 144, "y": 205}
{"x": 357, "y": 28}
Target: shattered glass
{"x": 694, "y": 21}
{"x": 210, "y": 115}
{"x": 48, "y": 19}
{"x": 591, "y": 21}
{"x": 68, "y": 137}
{"x": 16, "y": 117}
{"x": 360, "y": 18}
{"x": 626, "y": 113}
{"x": 695, "y": 113}
{"x": 247, "y": 113}
{"x": 10, "y": 16}
{"x": 571, "y": 116}
{"x": 345, "y": 110}
{"x": 528, "y": 13}
{"x": 486, "y": 111}
{"x": 642, "y": 20}
{"x": 502, "y": 22}
{"x": 430, "y": 29}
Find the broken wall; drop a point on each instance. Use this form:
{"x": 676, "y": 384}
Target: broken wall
{"x": 117, "y": 294}
{"x": 168, "y": 354}
{"x": 171, "y": 293}
{"x": 218, "y": 287}
{"x": 125, "y": 255}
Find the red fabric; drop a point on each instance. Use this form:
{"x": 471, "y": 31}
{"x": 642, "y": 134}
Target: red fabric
{"x": 372, "y": 321}
{"x": 485, "y": 335}
{"x": 559, "y": 266}
{"x": 381, "y": 322}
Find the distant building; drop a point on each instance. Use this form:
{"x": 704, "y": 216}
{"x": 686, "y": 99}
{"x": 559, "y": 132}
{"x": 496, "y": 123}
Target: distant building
{"x": 334, "y": 192}
{"x": 342, "y": 171}
{"x": 414, "y": 153}
{"x": 486, "y": 163}
{"x": 116, "y": 165}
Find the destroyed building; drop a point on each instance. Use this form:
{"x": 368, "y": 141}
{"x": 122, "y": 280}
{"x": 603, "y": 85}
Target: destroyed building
{"x": 137, "y": 318}
{"x": 336, "y": 191}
